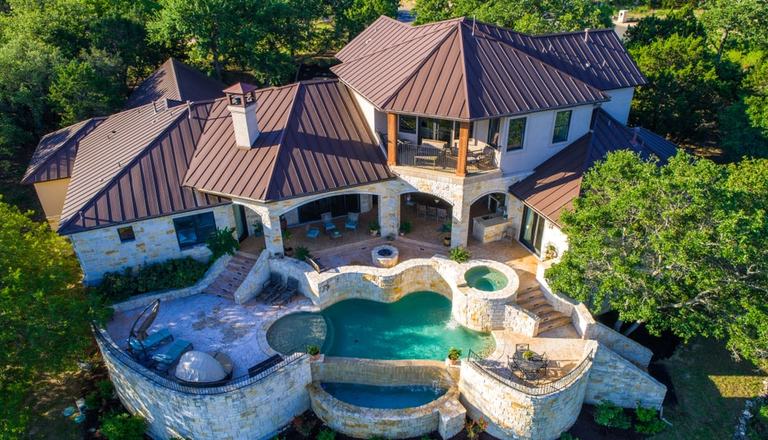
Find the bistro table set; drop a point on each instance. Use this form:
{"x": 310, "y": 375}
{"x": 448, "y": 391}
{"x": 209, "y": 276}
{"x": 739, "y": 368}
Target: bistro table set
{"x": 532, "y": 365}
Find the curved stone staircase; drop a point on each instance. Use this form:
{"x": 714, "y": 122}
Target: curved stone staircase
{"x": 534, "y": 301}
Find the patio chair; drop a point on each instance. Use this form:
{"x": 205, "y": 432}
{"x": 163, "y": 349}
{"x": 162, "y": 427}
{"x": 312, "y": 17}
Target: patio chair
{"x": 432, "y": 212}
{"x": 151, "y": 342}
{"x": 327, "y": 219}
{"x": 264, "y": 365}
{"x": 352, "y": 220}
{"x": 334, "y": 233}
{"x": 171, "y": 354}
{"x": 421, "y": 210}
{"x": 522, "y": 347}
{"x": 315, "y": 265}
{"x": 442, "y": 214}
{"x": 312, "y": 232}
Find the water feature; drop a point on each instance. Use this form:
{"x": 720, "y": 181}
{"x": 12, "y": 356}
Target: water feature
{"x": 418, "y": 326}
{"x": 386, "y": 397}
{"x": 485, "y": 278}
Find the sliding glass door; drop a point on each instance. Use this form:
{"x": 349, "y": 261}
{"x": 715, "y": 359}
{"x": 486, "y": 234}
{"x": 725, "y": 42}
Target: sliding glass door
{"x": 532, "y": 230}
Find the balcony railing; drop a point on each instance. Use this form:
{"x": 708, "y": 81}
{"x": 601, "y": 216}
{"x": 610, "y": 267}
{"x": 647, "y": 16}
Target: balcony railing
{"x": 443, "y": 158}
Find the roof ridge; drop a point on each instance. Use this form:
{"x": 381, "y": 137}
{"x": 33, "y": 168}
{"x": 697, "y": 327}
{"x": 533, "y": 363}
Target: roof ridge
{"x": 465, "y": 79}
{"x": 63, "y": 223}
{"x": 175, "y": 75}
{"x": 406, "y": 41}
{"x": 279, "y": 149}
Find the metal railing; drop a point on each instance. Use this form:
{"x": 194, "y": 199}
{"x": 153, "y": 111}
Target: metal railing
{"x": 527, "y": 387}
{"x": 442, "y": 159}
{"x": 107, "y": 344}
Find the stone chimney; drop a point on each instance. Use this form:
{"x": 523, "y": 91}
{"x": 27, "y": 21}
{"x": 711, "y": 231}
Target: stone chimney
{"x": 242, "y": 108}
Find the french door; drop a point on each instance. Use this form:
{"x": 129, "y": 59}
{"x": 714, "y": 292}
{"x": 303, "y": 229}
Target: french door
{"x": 532, "y": 230}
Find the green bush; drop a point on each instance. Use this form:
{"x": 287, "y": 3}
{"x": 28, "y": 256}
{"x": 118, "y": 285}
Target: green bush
{"x": 647, "y": 421}
{"x": 611, "y": 416}
{"x": 222, "y": 242}
{"x": 301, "y": 253}
{"x": 106, "y": 389}
{"x": 373, "y": 225}
{"x": 326, "y": 434}
{"x": 313, "y": 350}
{"x": 454, "y": 354}
{"x": 406, "y": 227}
{"x": 171, "y": 274}
{"x": 123, "y": 426}
{"x": 460, "y": 254}
{"x": 762, "y": 414}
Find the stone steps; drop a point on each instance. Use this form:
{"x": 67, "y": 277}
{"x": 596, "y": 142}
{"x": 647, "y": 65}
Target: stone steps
{"x": 534, "y": 301}
{"x": 226, "y": 284}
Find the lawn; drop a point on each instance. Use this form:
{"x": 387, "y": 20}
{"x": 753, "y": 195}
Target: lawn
{"x": 711, "y": 389}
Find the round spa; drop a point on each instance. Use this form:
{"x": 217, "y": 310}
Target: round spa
{"x": 485, "y": 278}
{"x": 484, "y": 288}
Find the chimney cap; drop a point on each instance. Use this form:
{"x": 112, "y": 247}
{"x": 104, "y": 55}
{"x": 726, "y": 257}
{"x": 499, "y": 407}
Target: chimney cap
{"x": 241, "y": 94}
{"x": 240, "y": 88}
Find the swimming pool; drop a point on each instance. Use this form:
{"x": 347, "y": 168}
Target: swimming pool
{"x": 486, "y": 279}
{"x": 418, "y": 326}
{"x": 385, "y": 397}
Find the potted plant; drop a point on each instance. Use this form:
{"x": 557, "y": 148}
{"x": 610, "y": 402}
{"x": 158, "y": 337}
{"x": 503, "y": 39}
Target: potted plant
{"x": 446, "y": 227}
{"x": 459, "y": 254}
{"x": 258, "y": 229}
{"x": 454, "y": 354}
{"x": 528, "y": 355}
{"x": 374, "y": 228}
{"x": 302, "y": 253}
{"x": 447, "y": 240}
{"x": 313, "y": 351}
{"x": 405, "y": 227}
{"x": 550, "y": 252}
{"x": 286, "y": 237}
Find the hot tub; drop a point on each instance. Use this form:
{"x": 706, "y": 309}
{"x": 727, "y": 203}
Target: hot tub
{"x": 485, "y": 278}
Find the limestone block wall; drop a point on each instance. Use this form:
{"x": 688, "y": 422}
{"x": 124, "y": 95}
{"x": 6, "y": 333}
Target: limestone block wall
{"x": 254, "y": 280}
{"x": 100, "y": 250}
{"x": 514, "y": 414}
{"x": 254, "y": 411}
{"x": 519, "y": 320}
{"x": 477, "y": 309}
{"x": 618, "y": 380}
{"x": 620, "y": 344}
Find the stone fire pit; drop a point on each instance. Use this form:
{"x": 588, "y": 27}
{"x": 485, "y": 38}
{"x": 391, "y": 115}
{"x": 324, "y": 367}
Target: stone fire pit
{"x": 385, "y": 256}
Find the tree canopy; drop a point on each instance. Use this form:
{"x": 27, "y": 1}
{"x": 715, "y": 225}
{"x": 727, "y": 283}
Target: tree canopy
{"x": 680, "y": 247}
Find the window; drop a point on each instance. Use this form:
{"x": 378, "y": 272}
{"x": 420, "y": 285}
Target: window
{"x": 126, "y": 234}
{"x": 336, "y": 205}
{"x": 437, "y": 129}
{"x": 516, "y": 134}
{"x": 407, "y": 124}
{"x": 562, "y": 124}
{"x": 493, "y": 132}
{"x": 194, "y": 229}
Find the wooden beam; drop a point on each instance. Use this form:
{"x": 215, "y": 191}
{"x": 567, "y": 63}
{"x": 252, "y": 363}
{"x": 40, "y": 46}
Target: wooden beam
{"x": 461, "y": 161}
{"x": 391, "y": 139}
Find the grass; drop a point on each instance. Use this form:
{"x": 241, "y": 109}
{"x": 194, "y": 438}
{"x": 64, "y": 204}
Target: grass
{"x": 711, "y": 389}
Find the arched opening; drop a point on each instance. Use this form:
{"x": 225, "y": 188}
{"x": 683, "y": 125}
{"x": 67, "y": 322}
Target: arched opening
{"x": 426, "y": 217}
{"x": 487, "y": 218}
{"x": 249, "y": 229}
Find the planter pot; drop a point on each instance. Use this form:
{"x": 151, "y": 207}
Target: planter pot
{"x": 446, "y": 241}
{"x": 402, "y": 234}
{"x": 373, "y": 232}
{"x": 289, "y": 252}
{"x": 452, "y": 363}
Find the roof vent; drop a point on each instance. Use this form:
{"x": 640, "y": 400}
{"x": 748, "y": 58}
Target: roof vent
{"x": 586, "y": 35}
{"x": 242, "y": 108}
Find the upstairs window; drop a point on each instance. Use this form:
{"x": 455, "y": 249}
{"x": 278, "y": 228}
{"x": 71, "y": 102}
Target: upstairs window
{"x": 562, "y": 125}
{"x": 516, "y": 134}
{"x": 493, "y": 132}
{"x": 126, "y": 234}
{"x": 195, "y": 229}
{"x": 407, "y": 124}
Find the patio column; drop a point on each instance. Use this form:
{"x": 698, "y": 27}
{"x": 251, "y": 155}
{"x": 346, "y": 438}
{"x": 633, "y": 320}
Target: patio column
{"x": 391, "y": 139}
{"x": 460, "y": 225}
{"x": 389, "y": 213}
{"x": 273, "y": 234}
{"x": 461, "y": 161}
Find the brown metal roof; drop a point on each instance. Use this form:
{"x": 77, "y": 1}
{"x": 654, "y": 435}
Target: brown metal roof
{"x": 131, "y": 167}
{"x": 313, "y": 138}
{"x": 454, "y": 70}
{"x": 176, "y": 82}
{"x": 55, "y": 154}
{"x": 555, "y": 183}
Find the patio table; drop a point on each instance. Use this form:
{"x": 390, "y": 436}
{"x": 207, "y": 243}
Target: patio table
{"x": 532, "y": 367}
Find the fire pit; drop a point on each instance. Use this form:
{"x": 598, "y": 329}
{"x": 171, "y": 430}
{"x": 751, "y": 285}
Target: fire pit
{"x": 384, "y": 256}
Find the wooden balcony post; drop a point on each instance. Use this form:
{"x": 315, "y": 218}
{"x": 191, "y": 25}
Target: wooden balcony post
{"x": 461, "y": 161}
{"x": 391, "y": 139}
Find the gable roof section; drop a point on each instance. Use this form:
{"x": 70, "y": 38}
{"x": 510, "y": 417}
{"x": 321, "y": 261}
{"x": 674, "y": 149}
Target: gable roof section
{"x": 55, "y": 154}
{"x": 131, "y": 167}
{"x": 451, "y": 69}
{"x": 313, "y": 139}
{"x": 176, "y": 82}
{"x": 555, "y": 183}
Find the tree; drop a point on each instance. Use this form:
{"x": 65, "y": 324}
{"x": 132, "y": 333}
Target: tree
{"x": 352, "y": 16}
{"x": 682, "y": 22}
{"x": 44, "y": 323}
{"x": 739, "y": 22}
{"x": 684, "y": 89}
{"x": 680, "y": 247}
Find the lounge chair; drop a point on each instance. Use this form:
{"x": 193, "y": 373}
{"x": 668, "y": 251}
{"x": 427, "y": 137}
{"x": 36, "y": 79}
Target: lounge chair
{"x": 275, "y": 281}
{"x": 151, "y": 342}
{"x": 291, "y": 289}
{"x": 313, "y": 232}
{"x": 264, "y": 365}
{"x": 327, "y": 219}
{"x": 315, "y": 265}
{"x": 165, "y": 358}
{"x": 352, "y": 220}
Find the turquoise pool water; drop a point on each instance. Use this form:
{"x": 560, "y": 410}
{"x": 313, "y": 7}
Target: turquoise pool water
{"x": 387, "y": 397}
{"x": 486, "y": 279}
{"x": 418, "y": 326}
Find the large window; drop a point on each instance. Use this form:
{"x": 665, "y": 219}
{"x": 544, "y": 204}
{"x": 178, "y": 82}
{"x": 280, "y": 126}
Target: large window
{"x": 437, "y": 129}
{"x": 493, "y": 132}
{"x": 336, "y": 205}
{"x": 407, "y": 124}
{"x": 194, "y": 229}
{"x": 516, "y": 134}
{"x": 562, "y": 124}
{"x": 126, "y": 234}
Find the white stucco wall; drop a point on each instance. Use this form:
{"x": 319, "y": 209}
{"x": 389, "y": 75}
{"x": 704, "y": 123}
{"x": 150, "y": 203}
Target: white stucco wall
{"x": 376, "y": 120}
{"x": 100, "y": 250}
{"x": 620, "y": 103}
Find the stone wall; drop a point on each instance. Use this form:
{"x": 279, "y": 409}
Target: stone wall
{"x": 476, "y": 309}
{"x": 254, "y": 411}
{"x": 621, "y": 382}
{"x": 519, "y": 320}
{"x": 100, "y": 250}
{"x": 620, "y": 344}
{"x": 254, "y": 280}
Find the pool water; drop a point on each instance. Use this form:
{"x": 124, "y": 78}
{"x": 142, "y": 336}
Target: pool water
{"x": 386, "y": 397}
{"x": 418, "y": 326}
{"x": 486, "y": 279}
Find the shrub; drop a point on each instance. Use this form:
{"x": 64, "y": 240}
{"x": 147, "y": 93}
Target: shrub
{"x": 106, "y": 389}
{"x": 301, "y": 253}
{"x": 92, "y": 400}
{"x": 762, "y": 414}
{"x": 171, "y": 274}
{"x": 326, "y": 434}
{"x": 460, "y": 254}
{"x": 567, "y": 436}
{"x": 313, "y": 350}
{"x": 304, "y": 426}
{"x": 123, "y": 426}
{"x": 648, "y": 421}
{"x": 454, "y": 354}
{"x": 406, "y": 227}
{"x": 475, "y": 428}
{"x": 611, "y": 416}
{"x": 222, "y": 242}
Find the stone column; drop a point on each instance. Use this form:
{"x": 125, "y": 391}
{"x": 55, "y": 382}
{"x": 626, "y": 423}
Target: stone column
{"x": 273, "y": 234}
{"x": 460, "y": 225}
{"x": 389, "y": 213}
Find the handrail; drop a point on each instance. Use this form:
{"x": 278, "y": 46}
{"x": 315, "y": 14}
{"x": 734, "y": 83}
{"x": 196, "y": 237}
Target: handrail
{"x": 533, "y": 389}
{"x": 237, "y": 383}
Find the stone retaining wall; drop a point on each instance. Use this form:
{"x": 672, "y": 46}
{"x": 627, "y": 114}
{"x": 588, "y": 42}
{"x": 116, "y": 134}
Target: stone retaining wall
{"x": 621, "y": 382}
{"x": 519, "y": 320}
{"x": 622, "y": 345}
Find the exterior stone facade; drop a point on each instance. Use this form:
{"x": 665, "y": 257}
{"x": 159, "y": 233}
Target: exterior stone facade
{"x": 621, "y": 382}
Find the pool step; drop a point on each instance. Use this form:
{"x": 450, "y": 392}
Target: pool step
{"x": 535, "y": 302}
{"x": 226, "y": 284}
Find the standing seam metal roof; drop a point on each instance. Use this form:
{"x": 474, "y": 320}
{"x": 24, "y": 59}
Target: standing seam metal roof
{"x": 176, "y": 82}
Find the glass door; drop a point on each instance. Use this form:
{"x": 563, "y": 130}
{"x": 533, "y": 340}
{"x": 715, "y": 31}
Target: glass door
{"x": 532, "y": 230}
